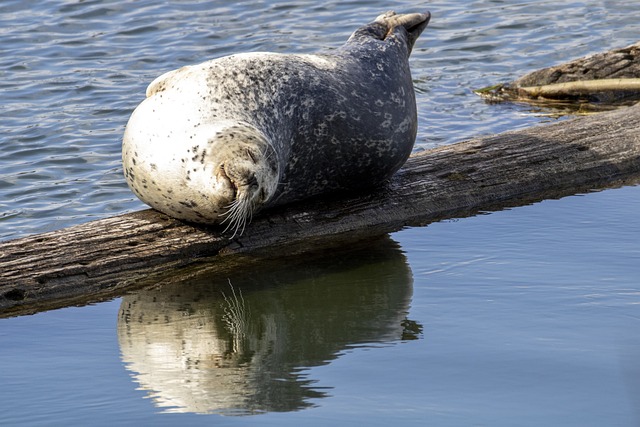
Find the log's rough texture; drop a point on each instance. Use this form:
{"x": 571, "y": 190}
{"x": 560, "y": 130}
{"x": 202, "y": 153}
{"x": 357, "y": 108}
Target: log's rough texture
{"x": 614, "y": 64}
{"x": 106, "y": 257}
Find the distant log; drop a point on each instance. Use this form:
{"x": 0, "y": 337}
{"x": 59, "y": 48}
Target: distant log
{"x": 107, "y": 257}
{"x": 610, "y": 79}
{"x": 622, "y": 63}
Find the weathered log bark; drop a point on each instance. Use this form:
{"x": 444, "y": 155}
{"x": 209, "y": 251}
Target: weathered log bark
{"x": 543, "y": 85}
{"x": 103, "y": 258}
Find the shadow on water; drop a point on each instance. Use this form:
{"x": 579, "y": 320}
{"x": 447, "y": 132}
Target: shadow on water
{"x": 241, "y": 345}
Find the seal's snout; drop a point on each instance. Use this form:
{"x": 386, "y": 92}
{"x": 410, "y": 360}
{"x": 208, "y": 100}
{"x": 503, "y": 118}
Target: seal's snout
{"x": 227, "y": 186}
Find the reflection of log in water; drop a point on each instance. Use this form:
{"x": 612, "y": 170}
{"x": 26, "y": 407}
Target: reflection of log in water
{"x": 205, "y": 345}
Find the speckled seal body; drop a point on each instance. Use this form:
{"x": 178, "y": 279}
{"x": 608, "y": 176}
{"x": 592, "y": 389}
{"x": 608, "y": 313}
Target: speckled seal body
{"x": 220, "y": 140}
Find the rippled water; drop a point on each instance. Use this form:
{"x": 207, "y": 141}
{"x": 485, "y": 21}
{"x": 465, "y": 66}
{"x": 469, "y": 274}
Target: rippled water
{"x": 72, "y": 72}
{"x": 522, "y": 317}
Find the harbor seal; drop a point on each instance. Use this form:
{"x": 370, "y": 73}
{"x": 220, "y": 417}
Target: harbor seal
{"x": 218, "y": 141}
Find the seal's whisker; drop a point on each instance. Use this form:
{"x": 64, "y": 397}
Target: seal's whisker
{"x": 267, "y": 153}
{"x": 238, "y": 214}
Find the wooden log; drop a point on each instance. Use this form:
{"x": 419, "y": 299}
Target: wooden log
{"x": 622, "y": 63}
{"x": 107, "y": 257}
{"x": 611, "y": 80}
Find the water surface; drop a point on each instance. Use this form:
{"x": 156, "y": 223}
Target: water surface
{"x": 72, "y": 72}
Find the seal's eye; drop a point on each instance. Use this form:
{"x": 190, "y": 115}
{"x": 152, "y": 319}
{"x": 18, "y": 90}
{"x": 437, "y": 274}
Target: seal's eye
{"x": 251, "y": 156}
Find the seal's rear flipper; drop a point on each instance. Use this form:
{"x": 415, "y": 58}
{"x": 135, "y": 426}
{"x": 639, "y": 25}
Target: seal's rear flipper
{"x": 413, "y": 23}
{"x": 391, "y": 26}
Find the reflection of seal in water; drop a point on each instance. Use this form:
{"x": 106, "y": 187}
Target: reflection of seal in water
{"x": 215, "y": 142}
{"x": 199, "y": 343}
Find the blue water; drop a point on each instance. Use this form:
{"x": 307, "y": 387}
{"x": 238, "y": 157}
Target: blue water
{"x": 524, "y": 317}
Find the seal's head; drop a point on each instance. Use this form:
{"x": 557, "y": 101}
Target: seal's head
{"x": 245, "y": 163}
{"x": 225, "y": 173}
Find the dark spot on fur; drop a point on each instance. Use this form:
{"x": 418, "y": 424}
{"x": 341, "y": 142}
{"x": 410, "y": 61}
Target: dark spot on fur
{"x": 189, "y": 204}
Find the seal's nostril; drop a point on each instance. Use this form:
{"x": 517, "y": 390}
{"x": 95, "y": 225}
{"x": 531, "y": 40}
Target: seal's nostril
{"x": 252, "y": 181}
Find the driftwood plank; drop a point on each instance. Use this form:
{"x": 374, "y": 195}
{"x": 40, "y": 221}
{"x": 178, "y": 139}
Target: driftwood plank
{"x": 613, "y": 76}
{"x": 103, "y": 258}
